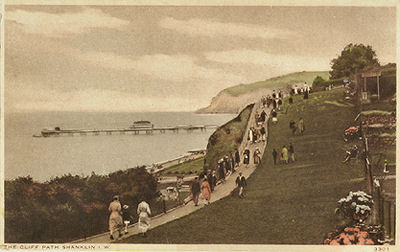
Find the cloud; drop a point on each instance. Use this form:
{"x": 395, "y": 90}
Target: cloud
{"x": 175, "y": 68}
{"x": 95, "y": 100}
{"x": 285, "y": 63}
{"x": 200, "y": 27}
{"x": 64, "y": 24}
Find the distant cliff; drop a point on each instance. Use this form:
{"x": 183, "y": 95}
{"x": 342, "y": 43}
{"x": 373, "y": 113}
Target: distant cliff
{"x": 225, "y": 102}
{"x": 234, "y": 99}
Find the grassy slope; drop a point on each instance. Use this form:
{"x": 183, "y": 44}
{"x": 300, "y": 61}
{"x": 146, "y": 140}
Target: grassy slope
{"x": 290, "y": 204}
{"x": 220, "y": 144}
{"x": 280, "y": 81}
{"x": 226, "y": 138}
{"x": 195, "y": 166}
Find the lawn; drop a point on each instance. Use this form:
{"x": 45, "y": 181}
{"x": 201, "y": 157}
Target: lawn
{"x": 284, "y": 204}
{"x": 190, "y": 167}
{"x": 279, "y": 81}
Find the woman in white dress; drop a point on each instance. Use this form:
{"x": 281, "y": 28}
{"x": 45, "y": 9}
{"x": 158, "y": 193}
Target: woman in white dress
{"x": 144, "y": 212}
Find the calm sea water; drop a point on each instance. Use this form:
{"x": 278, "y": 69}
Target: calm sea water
{"x": 43, "y": 158}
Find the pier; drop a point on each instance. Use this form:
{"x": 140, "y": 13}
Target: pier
{"x": 131, "y": 130}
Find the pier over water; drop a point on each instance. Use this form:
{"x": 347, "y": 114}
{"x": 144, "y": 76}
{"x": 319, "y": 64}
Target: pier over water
{"x": 134, "y": 130}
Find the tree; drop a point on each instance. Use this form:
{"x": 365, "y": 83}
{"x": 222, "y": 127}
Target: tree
{"x": 318, "y": 81}
{"x": 354, "y": 57}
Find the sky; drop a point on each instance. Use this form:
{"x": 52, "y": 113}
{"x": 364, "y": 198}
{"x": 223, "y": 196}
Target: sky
{"x": 165, "y": 58}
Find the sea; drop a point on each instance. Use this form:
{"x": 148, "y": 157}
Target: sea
{"x": 44, "y": 158}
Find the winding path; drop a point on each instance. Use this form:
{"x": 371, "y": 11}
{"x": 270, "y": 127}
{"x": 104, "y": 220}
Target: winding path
{"x": 220, "y": 191}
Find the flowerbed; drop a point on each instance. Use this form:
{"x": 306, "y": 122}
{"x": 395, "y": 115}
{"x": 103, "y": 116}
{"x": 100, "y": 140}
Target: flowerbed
{"x": 357, "y": 235}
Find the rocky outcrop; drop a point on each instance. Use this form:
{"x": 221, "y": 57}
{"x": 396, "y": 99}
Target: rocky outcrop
{"x": 227, "y": 103}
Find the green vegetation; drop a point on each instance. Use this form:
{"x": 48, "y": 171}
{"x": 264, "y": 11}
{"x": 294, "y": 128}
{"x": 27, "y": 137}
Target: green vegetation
{"x": 383, "y": 105}
{"x": 227, "y": 138}
{"x": 321, "y": 83}
{"x": 280, "y": 81}
{"x": 353, "y": 58}
{"x": 284, "y": 204}
{"x": 71, "y": 207}
{"x": 190, "y": 167}
{"x": 339, "y": 104}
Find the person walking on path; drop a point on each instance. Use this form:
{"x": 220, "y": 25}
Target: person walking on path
{"x": 237, "y": 158}
{"x": 221, "y": 170}
{"x": 232, "y": 160}
{"x": 144, "y": 213}
{"x": 255, "y": 135}
{"x": 284, "y": 155}
{"x": 291, "y": 152}
{"x": 251, "y": 135}
{"x": 246, "y": 157}
{"x": 241, "y": 183}
{"x": 279, "y": 104}
{"x": 115, "y": 220}
{"x": 195, "y": 190}
{"x": 210, "y": 179}
{"x": 274, "y": 103}
{"x": 126, "y": 217}
{"x": 256, "y": 156}
{"x": 263, "y": 134}
{"x": 206, "y": 191}
{"x": 274, "y": 115}
{"x": 274, "y": 155}
{"x": 214, "y": 179}
{"x": 300, "y": 126}
{"x": 263, "y": 116}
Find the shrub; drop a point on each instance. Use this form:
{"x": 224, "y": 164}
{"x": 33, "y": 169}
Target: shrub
{"x": 69, "y": 207}
{"x": 356, "y": 207}
{"x": 357, "y": 235}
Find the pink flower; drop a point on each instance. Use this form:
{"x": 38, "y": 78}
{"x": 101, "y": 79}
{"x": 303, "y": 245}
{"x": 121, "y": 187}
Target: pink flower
{"x": 363, "y": 234}
{"x": 334, "y": 243}
{"x": 346, "y": 241}
{"x": 361, "y": 241}
{"x": 352, "y": 237}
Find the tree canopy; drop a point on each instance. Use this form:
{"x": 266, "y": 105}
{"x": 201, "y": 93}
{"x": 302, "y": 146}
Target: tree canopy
{"x": 354, "y": 57}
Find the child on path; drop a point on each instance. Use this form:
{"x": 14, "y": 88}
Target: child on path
{"x": 126, "y": 217}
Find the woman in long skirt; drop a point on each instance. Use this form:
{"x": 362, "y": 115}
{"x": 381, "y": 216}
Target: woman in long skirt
{"x": 144, "y": 213}
{"x": 206, "y": 190}
{"x": 115, "y": 220}
{"x": 237, "y": 157}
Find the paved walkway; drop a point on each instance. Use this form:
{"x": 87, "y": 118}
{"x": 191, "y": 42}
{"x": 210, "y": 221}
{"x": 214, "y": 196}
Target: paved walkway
{"x": 220, "y": 191}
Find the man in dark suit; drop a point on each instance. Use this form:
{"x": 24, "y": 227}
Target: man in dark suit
{"x": 196, "y": 190}
{"x": 241, "y": 183}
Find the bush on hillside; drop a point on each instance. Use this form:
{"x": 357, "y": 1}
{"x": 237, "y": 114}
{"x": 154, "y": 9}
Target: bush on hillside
{"x": 320, "y": 83}
{"x": 70, "y": 207}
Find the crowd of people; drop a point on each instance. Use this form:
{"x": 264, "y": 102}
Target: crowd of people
{"x": 286, "y": 155}
{"x": 275, "y": 100}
